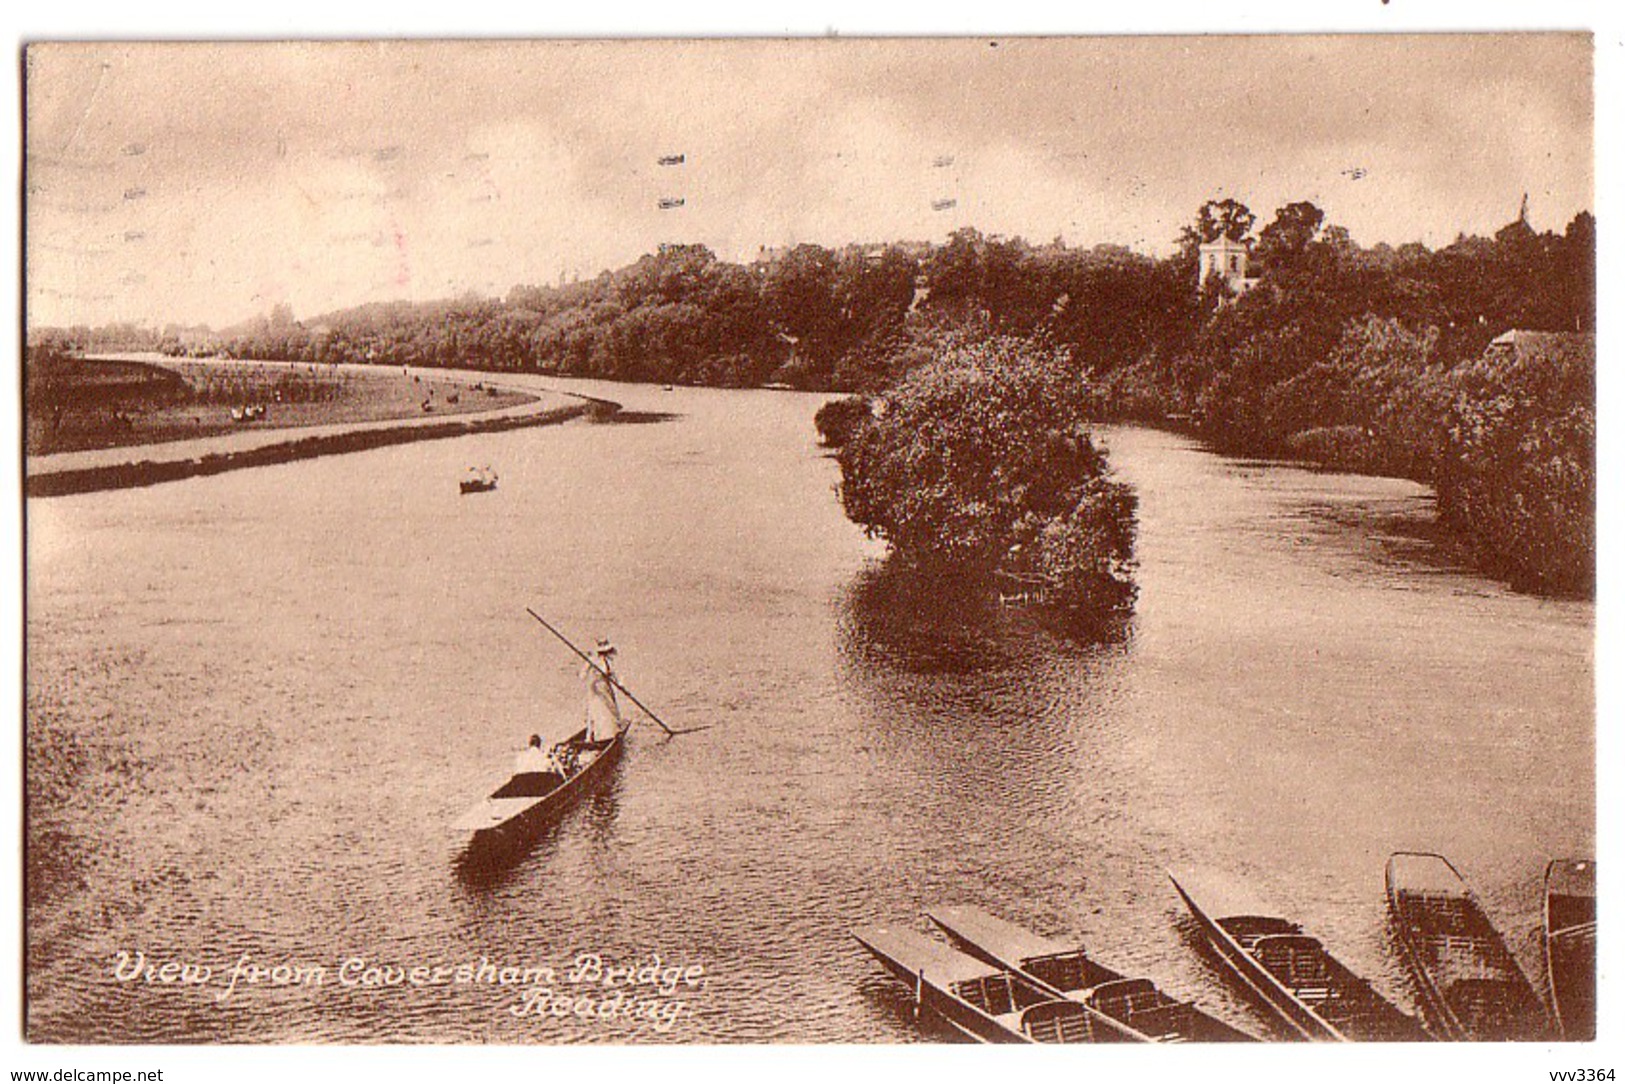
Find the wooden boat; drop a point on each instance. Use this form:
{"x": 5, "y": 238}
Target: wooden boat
{"x": 1571, "y": 946}
{"x": 1290, "y": 973}
{"x": 525, "y": 804}
{"x": 478, "y": 481}
{"x": 981, "y": 1001}
{"x": 1065, "y": 969}
{"x": 1471, "y": 988}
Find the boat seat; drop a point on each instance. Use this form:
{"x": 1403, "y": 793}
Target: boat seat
{"x": 1138, "y": 1004}
{"x": 990, "y": 993}
{"x": 1298, "y": 961}
{"x": 1165, "y": 1022}
{"x": 1579, "y": 930}
{"x": 1126, "y": 998}
{"x": 1438, "y": 914}
{"x": 1462, "y": 941}
{"x": 1058, "y": 1022}
{"x": 1064, "y": 971}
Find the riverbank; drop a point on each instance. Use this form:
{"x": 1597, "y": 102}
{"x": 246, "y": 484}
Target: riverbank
{"x": 147, "y": 464}
{"x": 115, "y": 401}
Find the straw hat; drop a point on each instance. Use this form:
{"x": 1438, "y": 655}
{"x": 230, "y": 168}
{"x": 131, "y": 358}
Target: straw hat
{"x": 605, "y": 647}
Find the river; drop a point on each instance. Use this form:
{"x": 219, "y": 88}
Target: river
{"x": 257, "y": 700}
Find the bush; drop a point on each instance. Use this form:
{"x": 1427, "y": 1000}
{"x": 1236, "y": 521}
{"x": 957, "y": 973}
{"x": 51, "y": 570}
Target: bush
{"x": 1519, "y": 478}
{"x": 1340, "y": 447}
{"x": 838, "y": 419}
{"x": 1088, "y": 554}
{"x": 980, "y": 464}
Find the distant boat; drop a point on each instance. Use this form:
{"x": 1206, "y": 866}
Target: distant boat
{"x": 944, "y": 204}
{"x": 671, "y": 202}
{"x": 1066, "y": 970}
{"x": 1471, "y": 987}
{"x": 1292, "y": 974}
{"x": 478, "y": 480}
{"x": 672, "y": 159}
{"x": 981, "y": 1001}
{"x": 1571, "y": 946}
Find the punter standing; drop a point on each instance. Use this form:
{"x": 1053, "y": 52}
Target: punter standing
{"x": 603, "y": 711}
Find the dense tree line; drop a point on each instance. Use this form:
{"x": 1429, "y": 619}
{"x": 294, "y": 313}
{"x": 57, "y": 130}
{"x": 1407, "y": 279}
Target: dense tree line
{"x": 1363, "y": 358}
{"x": 1379, "y": 360}
{"x": 851, "y": 319}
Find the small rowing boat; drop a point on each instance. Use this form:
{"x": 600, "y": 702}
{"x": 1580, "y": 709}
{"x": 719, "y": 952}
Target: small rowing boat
{"x": 1065, "y": 969}
{"x": 1571, "y": 946}
{"x": 1292, "y": 974}
{"x": 478, "y": 480}
{"x": 528, "y": 802}
{"x": 981, "y": 1001}
{"x": 1471, "y": 987}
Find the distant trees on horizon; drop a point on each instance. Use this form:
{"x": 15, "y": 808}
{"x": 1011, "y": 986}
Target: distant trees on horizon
{"x": 846, "y": 319}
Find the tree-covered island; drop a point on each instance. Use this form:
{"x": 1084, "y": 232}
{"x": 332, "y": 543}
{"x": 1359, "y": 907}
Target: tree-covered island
{"x": 980, "y": 467}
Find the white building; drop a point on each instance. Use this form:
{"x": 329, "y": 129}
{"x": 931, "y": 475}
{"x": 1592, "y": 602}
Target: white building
{"x": 1228, "y": 260}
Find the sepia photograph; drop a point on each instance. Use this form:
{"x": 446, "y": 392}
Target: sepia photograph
{"x": 822, "y": 540}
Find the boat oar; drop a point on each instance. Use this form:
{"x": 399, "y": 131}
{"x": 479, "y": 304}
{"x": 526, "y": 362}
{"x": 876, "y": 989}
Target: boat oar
{"x": 609, "y": 677}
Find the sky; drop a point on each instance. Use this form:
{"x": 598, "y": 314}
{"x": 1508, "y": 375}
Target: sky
{"x": 205, "y": 183}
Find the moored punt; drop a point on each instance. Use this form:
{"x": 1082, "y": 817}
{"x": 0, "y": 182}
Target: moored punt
{"x": 1293, "y": 975}
{"x": 1065, "y": 969}
{"x": 1471, "y": 988}
{"x": 525, "y": 804}
{"x": 980, "y": 1001}
{"x": 1571, "y": 946}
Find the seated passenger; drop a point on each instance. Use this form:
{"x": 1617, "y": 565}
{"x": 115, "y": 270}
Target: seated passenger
{"x": 533, "y": 759}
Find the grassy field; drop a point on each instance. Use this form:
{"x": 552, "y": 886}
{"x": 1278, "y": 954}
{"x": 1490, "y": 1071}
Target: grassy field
{"x": 76, "y": 404}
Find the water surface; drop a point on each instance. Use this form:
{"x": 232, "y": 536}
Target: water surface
{"x": 257, "y": 700}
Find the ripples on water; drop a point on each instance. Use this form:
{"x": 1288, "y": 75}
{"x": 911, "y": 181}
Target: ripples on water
{"x": 256, "y": 701}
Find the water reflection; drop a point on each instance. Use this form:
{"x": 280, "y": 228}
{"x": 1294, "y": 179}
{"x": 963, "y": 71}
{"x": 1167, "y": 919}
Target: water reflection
{"x": 895, "y": 618}
{"x": 606, "y": 413}
{"x": 899, "y": 617}
{"x": 1004, "y": 726}
{"x": 630, "y": 417}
